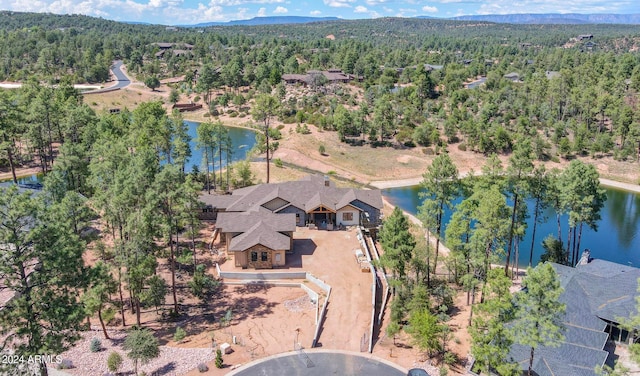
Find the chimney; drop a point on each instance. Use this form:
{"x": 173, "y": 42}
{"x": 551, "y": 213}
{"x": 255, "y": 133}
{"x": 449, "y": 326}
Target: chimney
{"x": 586, "y": 257}
{"x": 327, "y": 182}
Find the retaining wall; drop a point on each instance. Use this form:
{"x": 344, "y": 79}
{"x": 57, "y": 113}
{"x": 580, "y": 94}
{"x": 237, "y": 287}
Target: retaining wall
{"x": 270, "y": 278}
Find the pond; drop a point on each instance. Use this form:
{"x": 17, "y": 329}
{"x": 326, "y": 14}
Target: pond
{"x": 242, "y": 139}
{"x": 617, "y": 238}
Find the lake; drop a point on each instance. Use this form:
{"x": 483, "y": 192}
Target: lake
{"x": 617, "y": 238}
{"x": 242, "y": 140}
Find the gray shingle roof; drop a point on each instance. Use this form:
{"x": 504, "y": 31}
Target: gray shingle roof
{"x": 306, "y": 194}
{"x": 261, "y": 233}
{"x": 593, "y": 292}
{"x": 257, "y": 227}
{"x": 242, "y": 222}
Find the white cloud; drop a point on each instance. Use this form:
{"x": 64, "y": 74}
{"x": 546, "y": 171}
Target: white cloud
{"x": 549, "y": 6}
{"x": 360, "y": 9}
{"x": 227, "y": 3}
{"x": 262, "y": 12}
{"x": 280, "y": 10}
{"x": 429, "y": 9}
{"x": 375, "y": 2}
{"x": 315, "y": 13}
{"x": 338, "y": 3}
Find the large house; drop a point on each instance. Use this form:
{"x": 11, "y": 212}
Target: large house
{"x": 256, "y": 223}
{"x": 598, "y": 294}
{"x": 332, "y": 76}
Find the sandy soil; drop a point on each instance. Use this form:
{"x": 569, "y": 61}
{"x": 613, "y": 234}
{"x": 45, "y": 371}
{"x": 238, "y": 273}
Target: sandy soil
{"x": 274, "y": 329}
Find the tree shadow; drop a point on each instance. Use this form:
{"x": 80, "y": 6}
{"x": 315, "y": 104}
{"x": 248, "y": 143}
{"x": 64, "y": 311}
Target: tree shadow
{"x": 165, "y": 370}
{"x": 301, "y": 247}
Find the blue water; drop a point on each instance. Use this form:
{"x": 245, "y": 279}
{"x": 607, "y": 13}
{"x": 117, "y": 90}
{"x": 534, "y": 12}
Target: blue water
{"x": 617, "y": 238}
{"x": 242, "y": 140}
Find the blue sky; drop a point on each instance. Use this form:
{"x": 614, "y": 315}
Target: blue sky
{"x": 173, "y": 12}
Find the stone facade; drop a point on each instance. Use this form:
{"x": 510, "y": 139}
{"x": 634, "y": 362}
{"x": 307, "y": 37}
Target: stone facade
{"x": 259, "y": 262}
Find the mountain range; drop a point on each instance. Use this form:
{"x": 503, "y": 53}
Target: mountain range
{"x": 273, "y": 20}
{"x": 555, "y": 18}
{"x": 522, "y": 18}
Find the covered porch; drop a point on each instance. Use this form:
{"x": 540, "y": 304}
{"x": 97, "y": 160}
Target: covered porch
{"x": 322, "y": 217}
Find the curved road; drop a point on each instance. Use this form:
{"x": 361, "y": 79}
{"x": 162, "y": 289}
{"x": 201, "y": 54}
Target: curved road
{"x": 122, "y": 79}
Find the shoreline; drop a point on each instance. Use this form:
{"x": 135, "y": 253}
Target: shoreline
{"x": 400, "y": 183}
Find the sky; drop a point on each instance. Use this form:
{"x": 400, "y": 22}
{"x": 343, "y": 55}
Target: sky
{"x": 181, "y": 12}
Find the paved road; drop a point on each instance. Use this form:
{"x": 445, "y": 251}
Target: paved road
{"x": 122, "y": 79}
{"x": 321, "y": 363}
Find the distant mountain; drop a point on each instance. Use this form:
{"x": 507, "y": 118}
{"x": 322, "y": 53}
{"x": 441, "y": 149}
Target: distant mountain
{"x": 554, "y": 18}
{"x": 274, "y": 20}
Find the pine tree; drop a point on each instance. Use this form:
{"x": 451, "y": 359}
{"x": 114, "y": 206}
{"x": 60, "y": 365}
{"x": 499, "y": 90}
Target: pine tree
{"x": 41, "y": 261}
{"x": 141, "y": 346}
{"x": 397, "y": 242}
{"x": 441, "y": 188}
{"x": 539, "y": 311}
{"x": 491, "y": 339}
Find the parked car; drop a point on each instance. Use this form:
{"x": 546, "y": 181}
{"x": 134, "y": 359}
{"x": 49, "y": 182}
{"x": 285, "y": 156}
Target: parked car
{"x": 417, "y": 372}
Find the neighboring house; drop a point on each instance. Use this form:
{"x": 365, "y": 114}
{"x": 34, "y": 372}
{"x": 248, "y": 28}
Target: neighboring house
{"x": 257, "y": 239}
{"x": 585, "y": 36}
{"x": 431, "y": 67}
{"x": 295, "y": 79}
{"x": 314, "y": 200}
{"x": 331, "y": 75}
{"x": 179, "y": 49}
{"x": 598, "y": 294}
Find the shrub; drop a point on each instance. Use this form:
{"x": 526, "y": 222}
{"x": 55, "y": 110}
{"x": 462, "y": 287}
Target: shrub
{"x": 280, "y": 127}
{"x": 462, "y": 147}
{"x": 114, "y": 361}
{"x": 233, "y": 114}
{"x": 450, "y": 358}
{"x": 180, "y": 334}
{"x": 202, "y": 368}
{"x": 95, "y": 345}
{"x": 65, "y": 364}
{"x": 322, "y": 150}
{"x": 277, "y": 162}
{"x": 197, "y": 98}
{"x": 219, "y": 361}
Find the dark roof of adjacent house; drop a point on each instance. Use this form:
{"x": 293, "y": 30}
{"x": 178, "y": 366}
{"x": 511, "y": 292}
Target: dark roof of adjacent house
{"x": 257, "y": 227}
{"x": 306, "y": 194}
{"x": 595, "y": 292}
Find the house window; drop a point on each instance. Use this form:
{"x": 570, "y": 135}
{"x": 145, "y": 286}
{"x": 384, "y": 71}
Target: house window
{"x": 348, "y": 216}
{"x": 264, "y": 256}
{"x": 254, "y": 256}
